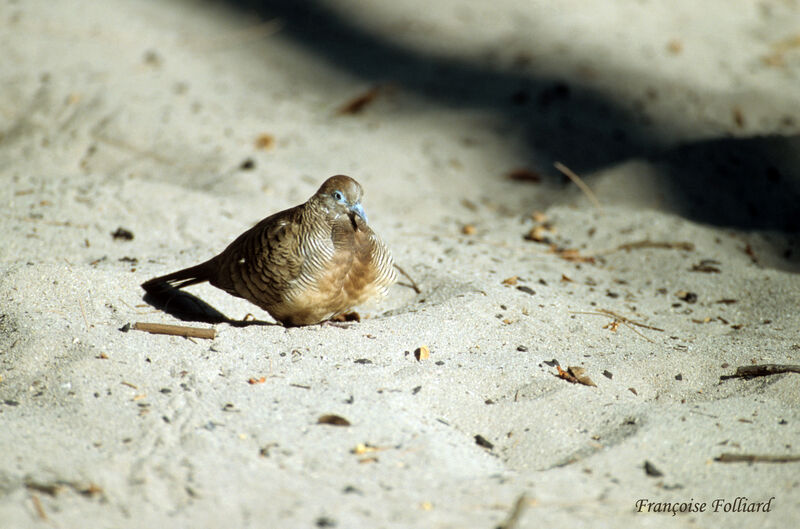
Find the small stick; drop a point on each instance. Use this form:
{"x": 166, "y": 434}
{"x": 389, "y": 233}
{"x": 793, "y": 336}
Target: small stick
{"x": 83, "y": 312}
{"x": 623, "y": 320}
{"x": 516, "y": 513}
{"x": 762, "y": 370}
{"x": 175, "y": 330}
{"x": 413, "y": 283}
{"x": 37, "y": 504}
{"x": 647, "y": 243}
{"x": 580, "y": 183}
{"x": 755, "y": 458}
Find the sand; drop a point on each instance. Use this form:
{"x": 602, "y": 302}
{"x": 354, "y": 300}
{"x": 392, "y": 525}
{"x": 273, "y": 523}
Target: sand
{"x": 187, "y": 122}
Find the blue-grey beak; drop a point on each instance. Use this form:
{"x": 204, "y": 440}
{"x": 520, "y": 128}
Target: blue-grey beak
{"x": 358, "y": 209}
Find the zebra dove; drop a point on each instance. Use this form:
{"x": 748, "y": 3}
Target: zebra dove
{"x": 304, "y": 265}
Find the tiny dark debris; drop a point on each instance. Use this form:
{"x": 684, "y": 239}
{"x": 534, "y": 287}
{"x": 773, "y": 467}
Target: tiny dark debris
{"x": 527, "y": 290}
{"x": 122, "y": 234}
{"x": 247, "y": 165}
{"x": 126, "y": 327}
{"x": 324, "y": 521}
{"x": 552, "y": 363}
{"x": 688, "y": 297}
{"x": 679, "y": 377}
{"x": 482, "y": 441}
{"x": 522, "y": 349}
{"x": 363, "y": 361}
{"x": 651, "y": 470}
{"x": 608, "y": 374}
{"x": 416, "y": 390}
{"x": 333, "y": 420}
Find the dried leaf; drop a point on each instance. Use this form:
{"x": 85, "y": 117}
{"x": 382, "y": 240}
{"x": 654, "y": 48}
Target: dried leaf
{"x": 580, "y": 376}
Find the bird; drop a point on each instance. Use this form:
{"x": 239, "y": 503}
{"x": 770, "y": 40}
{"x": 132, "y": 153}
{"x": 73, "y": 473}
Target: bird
{"x": 303, "y": 265}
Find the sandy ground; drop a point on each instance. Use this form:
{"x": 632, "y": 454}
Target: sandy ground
{"x": 187, "y": 122}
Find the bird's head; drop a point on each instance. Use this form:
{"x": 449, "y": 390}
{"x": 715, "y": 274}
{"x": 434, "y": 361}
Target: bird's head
{"x": 340, "y": 196}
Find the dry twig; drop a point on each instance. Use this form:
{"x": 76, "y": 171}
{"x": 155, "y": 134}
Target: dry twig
{"x": 516, "y": 513}
{"x": 405, "y": 274}
{"x": 755, "y": 458}
{"x": 175, "y": 330}
{"x": 619, "y": 318}
{"x": 762, "y": 370}
{"x": 580, "y": 183}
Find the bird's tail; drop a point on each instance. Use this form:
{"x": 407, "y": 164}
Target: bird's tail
{"x": 181, "y": 278}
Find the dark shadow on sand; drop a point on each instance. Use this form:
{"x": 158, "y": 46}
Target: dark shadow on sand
{"x": 188, "y": 307}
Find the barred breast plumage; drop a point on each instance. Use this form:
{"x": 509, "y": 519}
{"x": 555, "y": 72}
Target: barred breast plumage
{"x": 303, "y": 265}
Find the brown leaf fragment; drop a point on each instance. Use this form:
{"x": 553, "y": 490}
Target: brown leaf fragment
{"x": 633, "y": 390}
{"x": 359, "y": 103}
{"x": 524, "y": 174}
{"x": 580, "y": 376}
{"x": 510, "y": 280}
{"x": 482, "y": 441}
{"x": 254, "y": 381}
{"x": 569, "y": 377}
{"x": 333, "y": 420}
{"x": 468, "y": 229}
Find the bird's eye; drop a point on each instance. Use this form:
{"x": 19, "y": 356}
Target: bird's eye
{"x": 338, "y": 196}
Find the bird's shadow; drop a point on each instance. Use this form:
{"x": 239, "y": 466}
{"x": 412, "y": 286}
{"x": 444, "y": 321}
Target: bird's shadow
{"x": 188, "y": 307}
